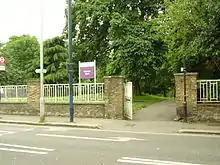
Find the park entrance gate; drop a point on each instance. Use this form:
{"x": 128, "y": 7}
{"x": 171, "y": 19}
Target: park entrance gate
{"x": 128, "y": 113}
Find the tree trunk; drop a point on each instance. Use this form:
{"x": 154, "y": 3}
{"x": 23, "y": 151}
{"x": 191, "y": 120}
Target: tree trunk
{"x": 137, "y": 88}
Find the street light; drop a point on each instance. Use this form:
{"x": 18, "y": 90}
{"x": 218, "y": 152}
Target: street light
{"x": 42, "y": 110}
{"x": 70, "y": 67}
{"x": 185, "y": 113}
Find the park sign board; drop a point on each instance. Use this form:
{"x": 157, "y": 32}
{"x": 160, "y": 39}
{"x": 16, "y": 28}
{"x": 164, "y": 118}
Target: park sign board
{"x": 87, "y": 70}
{"x": 2, "y": 63}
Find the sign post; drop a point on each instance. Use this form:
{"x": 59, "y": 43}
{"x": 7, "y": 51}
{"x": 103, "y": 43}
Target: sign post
{"x": 2, "y": 68}
{"x": 87, "y": 70}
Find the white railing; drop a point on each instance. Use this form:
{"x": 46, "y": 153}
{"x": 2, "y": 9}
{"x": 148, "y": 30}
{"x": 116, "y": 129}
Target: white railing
{"x": 208, "y": 90}
{"x": 84, "y": 92}
{"x": 13, "y": 93}
{"x": 55, "y": 93}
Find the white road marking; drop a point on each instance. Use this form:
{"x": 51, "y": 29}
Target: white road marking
{"x": 114, "y": 139}
{"x": 122, "y": 131}
{"x": 28, "y": 129}
{"x": 13, "y": 130}
{"x": 2, "y": 132}
{"x": 57, "y": 129}
{"x": 146, "y": 133}
{"x": 130, "y": 160}
{"x": 127, "y": 138}
{"x": 26, "y": 147}
{"x": 23, "y": 151}
{"x": 7, "y": 132}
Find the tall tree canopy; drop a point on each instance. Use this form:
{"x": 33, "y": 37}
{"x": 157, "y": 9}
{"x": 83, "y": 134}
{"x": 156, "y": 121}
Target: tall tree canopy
{"x": 192, "y": 31}
{"x": 55, "y": 60}
{"x": 20, "y": 51}
{"x": 119, "y": 36}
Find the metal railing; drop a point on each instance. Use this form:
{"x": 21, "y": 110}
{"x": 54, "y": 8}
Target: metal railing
{"x": 208, "y": 91}
{"x": 13, "y": 93}
{"x": 55, "y": 93}
{"x": 84, "y": 92}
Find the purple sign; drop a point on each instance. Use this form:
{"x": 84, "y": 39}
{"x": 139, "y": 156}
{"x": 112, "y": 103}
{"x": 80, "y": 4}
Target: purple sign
{"x": 87, "y": 72}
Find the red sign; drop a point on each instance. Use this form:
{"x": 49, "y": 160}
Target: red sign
{"x": 2, "y": 60}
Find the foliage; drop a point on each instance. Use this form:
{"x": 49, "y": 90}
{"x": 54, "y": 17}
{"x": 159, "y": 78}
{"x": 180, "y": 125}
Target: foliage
{"x": 20, "y": 52}
{"x": 128, "y": 38}
{"x": 192, "y": 31}
{"x": 136, "y": 49}
{"x": 55, "y": 60}
{"x": 118, "y": 35}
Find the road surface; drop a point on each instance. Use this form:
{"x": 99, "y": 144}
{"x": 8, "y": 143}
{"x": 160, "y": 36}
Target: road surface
{"x": 28, "y": 145}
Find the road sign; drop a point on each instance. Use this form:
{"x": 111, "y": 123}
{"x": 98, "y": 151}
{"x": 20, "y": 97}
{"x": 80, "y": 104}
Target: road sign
{"x": 2, "y": 60}
{"x": 2, "y": 63}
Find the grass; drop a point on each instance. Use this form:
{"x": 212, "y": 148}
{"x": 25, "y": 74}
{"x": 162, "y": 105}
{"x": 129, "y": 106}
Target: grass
{"x": 140, "y": 102}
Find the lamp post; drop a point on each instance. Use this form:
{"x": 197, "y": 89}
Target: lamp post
{"x": 70, "y": 67}
{"x": 184, "y": 91}
{"x": 42, "y": 110}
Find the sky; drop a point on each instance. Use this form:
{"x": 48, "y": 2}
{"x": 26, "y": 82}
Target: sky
{"x": 18, "y": 17}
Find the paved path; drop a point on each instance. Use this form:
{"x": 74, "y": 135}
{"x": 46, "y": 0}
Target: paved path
{"x": 125, "y": 125}
{"x": 68, "y": 146}
{"x": 163, "y": 111}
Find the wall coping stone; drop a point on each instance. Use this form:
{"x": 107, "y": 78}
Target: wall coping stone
{"x": 33, "y": 80}
{"x": 208, "y": 104}
{"x": 13, "y": 103}
{"x": 108, "y": 77}
{"x": 79, "y": 103}
{"x": 187, "y": 74}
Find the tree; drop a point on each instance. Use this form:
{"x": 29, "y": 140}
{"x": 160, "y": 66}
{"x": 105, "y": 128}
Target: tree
{"x": 192, "y": 31}
{"x": 119, "y": 36}
{"x": 55, "y": 60}
{"x": 137, "y": 50}
{"x": 90, "y": 34}
{"x": 20, "y": 52}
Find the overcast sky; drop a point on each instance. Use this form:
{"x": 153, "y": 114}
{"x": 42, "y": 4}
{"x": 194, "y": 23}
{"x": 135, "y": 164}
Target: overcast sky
{"x": 18, "y": 17}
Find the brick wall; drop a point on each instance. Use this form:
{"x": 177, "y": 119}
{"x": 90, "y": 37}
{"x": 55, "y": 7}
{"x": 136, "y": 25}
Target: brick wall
{"x": 95, "y": 110}
{"x": 191, "y": 93}
{"x": 111, "y": 107}
{"x": 114, "y": 97}
{"x": 196, "y": 112}
{"x": 208, "y": 112}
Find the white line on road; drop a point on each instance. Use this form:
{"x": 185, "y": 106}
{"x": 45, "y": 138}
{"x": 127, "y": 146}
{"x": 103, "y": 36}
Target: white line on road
{"x": 26, "y": 147}
{"x": 150, "y": 161}
{"x": 28, "y": 129}
{"x": 63, "y": 129}
{"x": 112, "y": 139}
{"x": 146, "y": 133}
{"x": 8, "y": 132}
{"x": 23, "y": 151}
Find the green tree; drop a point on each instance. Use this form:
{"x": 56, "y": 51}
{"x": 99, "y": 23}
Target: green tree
{"x": 119, "y": 36}
{"x": 20, "y": 52}
{"x": 192, "y": 31}
{"x": 55, "y": 60}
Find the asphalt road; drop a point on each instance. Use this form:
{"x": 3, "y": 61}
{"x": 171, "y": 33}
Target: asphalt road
{"x": 28, "y": 145}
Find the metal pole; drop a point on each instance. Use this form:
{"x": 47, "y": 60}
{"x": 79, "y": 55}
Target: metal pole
{"x": 71, "y": 107}
{"x": 42, "y": 112}
{"x": 184, "y": 92}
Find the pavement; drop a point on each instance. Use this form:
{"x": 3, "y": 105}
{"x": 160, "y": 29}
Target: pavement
{"x": 119, "y": 125}
{"x": 46, "y": 145}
